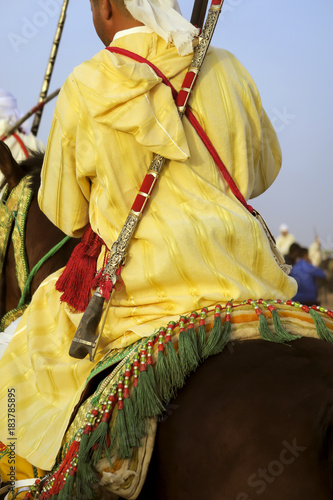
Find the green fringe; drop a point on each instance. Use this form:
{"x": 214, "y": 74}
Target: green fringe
{"x": 265, "y": 332}
{"x": 84, "y": 485}
{"x": 151, "y": 375}
{"x": 100, "y": 436}
{"x": 192, "y": 334}
{"x": 85, "y": 479}
{"x": 134, "y": 433}
{"x": 67, "y": 493}
{"x": 85, "y": 475}
{"x": 120, "y": 444}
{"x": 163, "y": 378}
{"x": 176, "y": 372}
{"x": 216, "y": 340}
{"x": 188, "y": 353}
{"x": 147, "y": 401}
{"x": 84, "y": 449}
{"x": 201, "y": 339}
{"x": 280, "y": 331}
{"x": 322, "y": 330}
{"x": 141, "y": 428}
{"x": 227, "y": 331}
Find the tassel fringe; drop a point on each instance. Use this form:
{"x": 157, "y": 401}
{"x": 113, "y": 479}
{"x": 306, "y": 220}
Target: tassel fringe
{"x": 322, "y": 330}
{"x": 188, "y": 350}
{"x": 121, "y": 411}
{"x": 78, "y": 275}
{"x": 278, "y": 328}
{"x": 177, "y": 374}
{"x": 215, "y": 342}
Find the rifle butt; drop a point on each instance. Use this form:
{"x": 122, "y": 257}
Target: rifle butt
{"x": 85, "y": 338}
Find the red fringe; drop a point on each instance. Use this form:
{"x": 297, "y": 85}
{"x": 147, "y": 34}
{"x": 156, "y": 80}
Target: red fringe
{"x": 104, "y": 283}
{"x": 58, "y": 477}
{"x": 76, "y": 280}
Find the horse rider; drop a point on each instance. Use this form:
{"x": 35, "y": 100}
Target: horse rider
{"x": 196, "y": 244}
{"x": 21, "y": 142}
{"x": 284, "y": 240}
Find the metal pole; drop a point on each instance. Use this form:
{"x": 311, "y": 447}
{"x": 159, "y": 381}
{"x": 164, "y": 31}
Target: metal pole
{"x": 198, "y": 13}
{"x": 50, "y": 66}
{"x": 31, "y": 112}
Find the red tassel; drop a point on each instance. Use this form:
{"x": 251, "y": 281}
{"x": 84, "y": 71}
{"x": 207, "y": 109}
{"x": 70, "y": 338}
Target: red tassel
{"x": 57, "y": 478}
{"x": 76, "y": 280}
{"x": 104, "y": 283}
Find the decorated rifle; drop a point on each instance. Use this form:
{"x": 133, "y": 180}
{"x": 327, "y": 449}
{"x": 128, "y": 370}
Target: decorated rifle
{"x": 50, "y": 66}
{"x": 86, "y": 340}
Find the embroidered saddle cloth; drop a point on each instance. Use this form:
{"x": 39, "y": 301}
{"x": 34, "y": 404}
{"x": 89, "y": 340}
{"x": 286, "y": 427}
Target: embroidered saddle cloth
{"x": 110, "y": 442}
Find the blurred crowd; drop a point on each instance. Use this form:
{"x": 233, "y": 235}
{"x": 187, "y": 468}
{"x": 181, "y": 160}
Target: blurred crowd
{"x": 307, "y": 266}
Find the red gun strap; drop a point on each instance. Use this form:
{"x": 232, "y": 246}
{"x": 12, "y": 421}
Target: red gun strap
{"x": 140, "y": 59}
{"x": 207, "y": 142}
{"x": 21, "y": 143}
{"x": 202, "y": 134}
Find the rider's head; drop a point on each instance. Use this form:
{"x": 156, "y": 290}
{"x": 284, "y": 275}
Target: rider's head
{"x": 109, "y": 17}
{"x": 161, "y": 16}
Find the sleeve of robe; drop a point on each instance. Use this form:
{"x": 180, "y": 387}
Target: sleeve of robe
{"x": 64, "y": 194}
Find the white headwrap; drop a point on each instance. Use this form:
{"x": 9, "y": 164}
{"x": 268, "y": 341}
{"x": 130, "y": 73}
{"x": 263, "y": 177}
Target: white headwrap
{"x": 8, "y": 107}
{"x": 165, "y": 19}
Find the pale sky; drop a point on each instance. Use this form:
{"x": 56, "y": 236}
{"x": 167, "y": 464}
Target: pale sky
{"x": 287, "y": 48}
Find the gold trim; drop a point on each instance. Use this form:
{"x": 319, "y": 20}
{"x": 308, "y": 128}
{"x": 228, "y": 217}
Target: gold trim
{"x": 13, "y": 215}
{"x": 145, "y": 195}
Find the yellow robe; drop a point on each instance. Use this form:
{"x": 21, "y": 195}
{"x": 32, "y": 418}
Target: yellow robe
{"x": 196, "y": 244}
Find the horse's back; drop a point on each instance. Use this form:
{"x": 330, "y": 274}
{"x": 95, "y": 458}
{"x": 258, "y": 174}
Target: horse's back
{"x": 245, "y": 426}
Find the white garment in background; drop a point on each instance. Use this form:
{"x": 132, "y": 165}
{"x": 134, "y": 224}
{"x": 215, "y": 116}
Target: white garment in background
{"x": 9, "y": 115}
{"x": 7, "y": 335}
{"x": 283, "y": 242}
{"x": 29, "y": 140}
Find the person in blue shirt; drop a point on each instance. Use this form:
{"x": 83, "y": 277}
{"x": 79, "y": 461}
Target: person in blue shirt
{"x": 306, "y": 276}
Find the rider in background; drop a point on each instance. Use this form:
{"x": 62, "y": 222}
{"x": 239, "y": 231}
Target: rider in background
{"x": 316, "y": 252}
{"x": 306, "y": 276}
{"x": 284, "y": 240}
{"x": 21, "y": 143}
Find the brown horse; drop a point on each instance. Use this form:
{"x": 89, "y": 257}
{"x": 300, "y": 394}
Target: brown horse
{"x": 40, "y": 234}
{"x": 254, "y": 422}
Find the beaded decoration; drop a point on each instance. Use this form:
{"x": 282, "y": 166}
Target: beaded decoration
{"x": 149, "y": 376}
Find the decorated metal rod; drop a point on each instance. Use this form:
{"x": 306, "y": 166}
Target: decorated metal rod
{"x": 86, "y": 340}
{"x": 32, "y": 111}
{"x": 50, "y": 66}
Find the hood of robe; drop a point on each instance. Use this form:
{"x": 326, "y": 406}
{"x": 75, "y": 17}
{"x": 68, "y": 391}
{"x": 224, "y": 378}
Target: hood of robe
{"x": 128, "y": 96}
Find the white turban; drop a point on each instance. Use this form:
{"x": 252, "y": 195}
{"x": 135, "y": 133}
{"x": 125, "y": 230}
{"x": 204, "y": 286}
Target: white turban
{"x": 283, "y": 228}
{"x": 165, "y": 19}
{"x": 8, "y": 107}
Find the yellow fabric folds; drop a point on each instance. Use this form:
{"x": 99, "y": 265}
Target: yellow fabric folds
{"x": 196, "y": 244}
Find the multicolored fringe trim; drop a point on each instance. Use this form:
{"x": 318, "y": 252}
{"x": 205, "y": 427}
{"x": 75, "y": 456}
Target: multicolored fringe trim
{"x": 146, "y": 380}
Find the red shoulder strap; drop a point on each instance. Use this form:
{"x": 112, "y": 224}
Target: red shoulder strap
{"x": 21, "y": 143}
{"x": 202, "y": 134}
